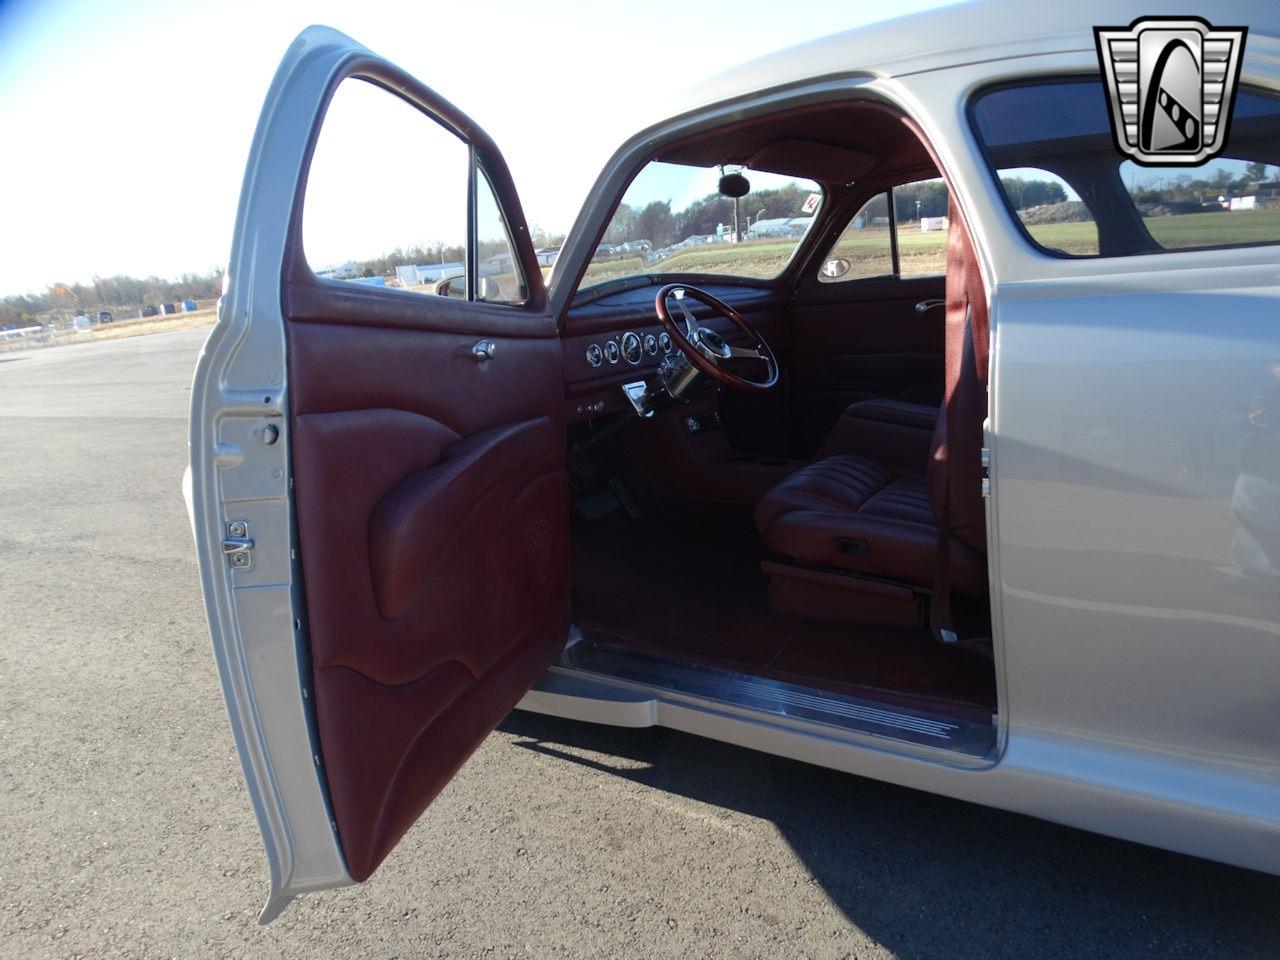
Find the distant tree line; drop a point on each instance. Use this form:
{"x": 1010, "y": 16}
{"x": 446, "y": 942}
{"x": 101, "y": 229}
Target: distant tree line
{"x": 1184, "y": 188}
{"x": 1032, "y": 193}
{"x": 661, "y": 226}
{"x": 61, "y": 301}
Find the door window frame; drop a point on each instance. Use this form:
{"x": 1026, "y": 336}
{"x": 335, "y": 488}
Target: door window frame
{"x": 483, "y": 156}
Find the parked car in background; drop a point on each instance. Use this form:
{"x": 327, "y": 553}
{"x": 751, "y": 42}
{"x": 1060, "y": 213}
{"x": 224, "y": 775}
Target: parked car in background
{"x": 104, "y": 316}
{"x": 1001, "y": 522}
{"x": 148, "y": 311}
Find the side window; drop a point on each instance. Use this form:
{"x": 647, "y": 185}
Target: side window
{"x": 1050, "y": 210}
{"x": 1042, "y": 134}
{"x": 386, "y": 203}
{"x": 500, "y": 278}
{"x": 900, "y": 233}
{"x": 865, "y": 247}
{"x": 920, "y": 219}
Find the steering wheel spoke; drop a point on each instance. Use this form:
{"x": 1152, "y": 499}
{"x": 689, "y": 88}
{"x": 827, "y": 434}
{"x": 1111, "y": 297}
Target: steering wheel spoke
{"x": 690, "y": 324}
{"x": 746, "y": 353}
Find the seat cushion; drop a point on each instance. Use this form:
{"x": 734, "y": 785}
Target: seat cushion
{"x": 851, "y": 513}
{"x": 892, "y": 432}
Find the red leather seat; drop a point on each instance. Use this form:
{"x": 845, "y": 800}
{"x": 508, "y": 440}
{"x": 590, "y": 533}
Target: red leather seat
{"x": 851, "y": 513}
{"x": 882, "y": 522}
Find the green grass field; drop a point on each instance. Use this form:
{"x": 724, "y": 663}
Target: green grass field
{"x": 1215, "y": 229}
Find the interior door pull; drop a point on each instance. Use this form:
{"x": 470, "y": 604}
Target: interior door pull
{"x": 484, "y": 350}
{"x": 924, "y": 305}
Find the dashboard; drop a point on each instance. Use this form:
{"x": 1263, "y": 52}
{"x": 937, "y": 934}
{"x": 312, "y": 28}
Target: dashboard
{"x": 617, "y": 339}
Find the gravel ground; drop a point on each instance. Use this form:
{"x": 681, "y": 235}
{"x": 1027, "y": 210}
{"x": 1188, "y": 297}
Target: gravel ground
{"x": 127, "y": 831}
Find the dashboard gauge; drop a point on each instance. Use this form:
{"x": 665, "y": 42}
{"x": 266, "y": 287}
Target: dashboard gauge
{"x": 651, "y": 344}
{"x": 611, "y": 351}
{"x": 595, "y": 356}
{"x": 632, "y": 351}
{"x": 664, "y": 341}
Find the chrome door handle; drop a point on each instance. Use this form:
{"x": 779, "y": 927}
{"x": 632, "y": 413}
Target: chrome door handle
{"x": 484, "y": 350}
{"x": 925, "y": 305}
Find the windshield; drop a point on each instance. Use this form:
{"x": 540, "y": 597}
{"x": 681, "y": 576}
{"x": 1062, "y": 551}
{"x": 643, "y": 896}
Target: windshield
{"x": 673, "y": 220}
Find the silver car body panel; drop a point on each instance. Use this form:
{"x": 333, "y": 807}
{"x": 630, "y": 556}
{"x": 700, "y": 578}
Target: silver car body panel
{"x": 256, "y": 614}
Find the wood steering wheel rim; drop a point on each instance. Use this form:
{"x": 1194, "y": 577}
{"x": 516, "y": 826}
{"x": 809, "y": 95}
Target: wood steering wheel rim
{"x": 699, "y": 359}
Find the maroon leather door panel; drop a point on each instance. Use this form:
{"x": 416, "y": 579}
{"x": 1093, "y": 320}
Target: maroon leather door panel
{"x": 432, "y": 513}
{"x": 862, "y": 340}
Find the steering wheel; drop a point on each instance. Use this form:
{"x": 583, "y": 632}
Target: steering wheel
{"x": 707, "y": 349}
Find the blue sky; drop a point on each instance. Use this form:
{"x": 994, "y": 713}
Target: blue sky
{"x": 126, "y": 124}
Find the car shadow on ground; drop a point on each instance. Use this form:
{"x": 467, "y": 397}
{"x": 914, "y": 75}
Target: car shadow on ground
{"x": 926, "y": 876}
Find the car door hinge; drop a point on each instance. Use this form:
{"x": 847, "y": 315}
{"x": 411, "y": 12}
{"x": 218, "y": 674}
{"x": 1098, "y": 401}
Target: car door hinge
{"x": 985, "y": 483}
{"x": 237, "y": 546}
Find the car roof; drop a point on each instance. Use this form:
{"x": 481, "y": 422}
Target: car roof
{"x": 956, "y": 34}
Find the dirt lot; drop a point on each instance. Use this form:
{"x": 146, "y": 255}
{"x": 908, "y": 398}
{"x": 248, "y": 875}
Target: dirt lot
{"x": 119, "y": 329}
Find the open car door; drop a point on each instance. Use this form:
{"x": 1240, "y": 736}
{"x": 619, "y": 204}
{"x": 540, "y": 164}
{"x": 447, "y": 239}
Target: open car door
{"x": 377, "y": 480}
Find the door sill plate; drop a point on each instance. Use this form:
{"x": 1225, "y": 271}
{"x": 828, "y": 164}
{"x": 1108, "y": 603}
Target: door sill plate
{"x": 775, "y": 699}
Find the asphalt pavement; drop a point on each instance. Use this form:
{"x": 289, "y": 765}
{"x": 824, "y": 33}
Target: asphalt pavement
{"x": 125, "y": 829}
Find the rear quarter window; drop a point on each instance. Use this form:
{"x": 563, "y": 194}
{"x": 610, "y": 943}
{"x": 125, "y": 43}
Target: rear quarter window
{"x": 1071, "y": 193}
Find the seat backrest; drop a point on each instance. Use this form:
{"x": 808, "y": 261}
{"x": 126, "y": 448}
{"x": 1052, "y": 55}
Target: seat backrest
{"x": 955, "y": 462}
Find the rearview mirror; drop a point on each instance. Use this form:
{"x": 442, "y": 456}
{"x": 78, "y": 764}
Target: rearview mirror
{"x": 734, "y": 185}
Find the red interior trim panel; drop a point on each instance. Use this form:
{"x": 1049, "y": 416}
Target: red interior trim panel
{"x": 432, "y": 518}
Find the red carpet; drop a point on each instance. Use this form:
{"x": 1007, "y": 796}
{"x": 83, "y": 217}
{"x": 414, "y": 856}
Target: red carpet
{"x": 685, "y": 581}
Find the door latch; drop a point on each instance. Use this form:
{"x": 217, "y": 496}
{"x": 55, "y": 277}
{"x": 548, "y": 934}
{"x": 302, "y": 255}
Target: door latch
{"x": 237, "y": 546}
{"x": 986, "y": 471}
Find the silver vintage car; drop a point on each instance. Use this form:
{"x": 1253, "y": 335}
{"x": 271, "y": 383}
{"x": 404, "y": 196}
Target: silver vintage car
{"x": 908, "y": 403}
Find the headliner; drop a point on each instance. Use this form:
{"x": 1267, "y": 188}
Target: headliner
{"x": 832, "y": 143}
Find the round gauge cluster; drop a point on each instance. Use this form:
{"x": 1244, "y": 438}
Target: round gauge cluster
{"x": 632, "y": 351}
{"x": 629, "y": 347}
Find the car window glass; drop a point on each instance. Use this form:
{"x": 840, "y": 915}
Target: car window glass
{"x": 1230, "y": 202}
{"x": 386, "y": 195}
{"x": 500, "y": 278}
{"x": 673, "y": 220}
{"x": 1062, "y": 129}
{"x": 909, "y": 241}
{"x": 1050, "y": 211}
{"x": 920, "y": 219}
{"x": 864, "y": 248}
